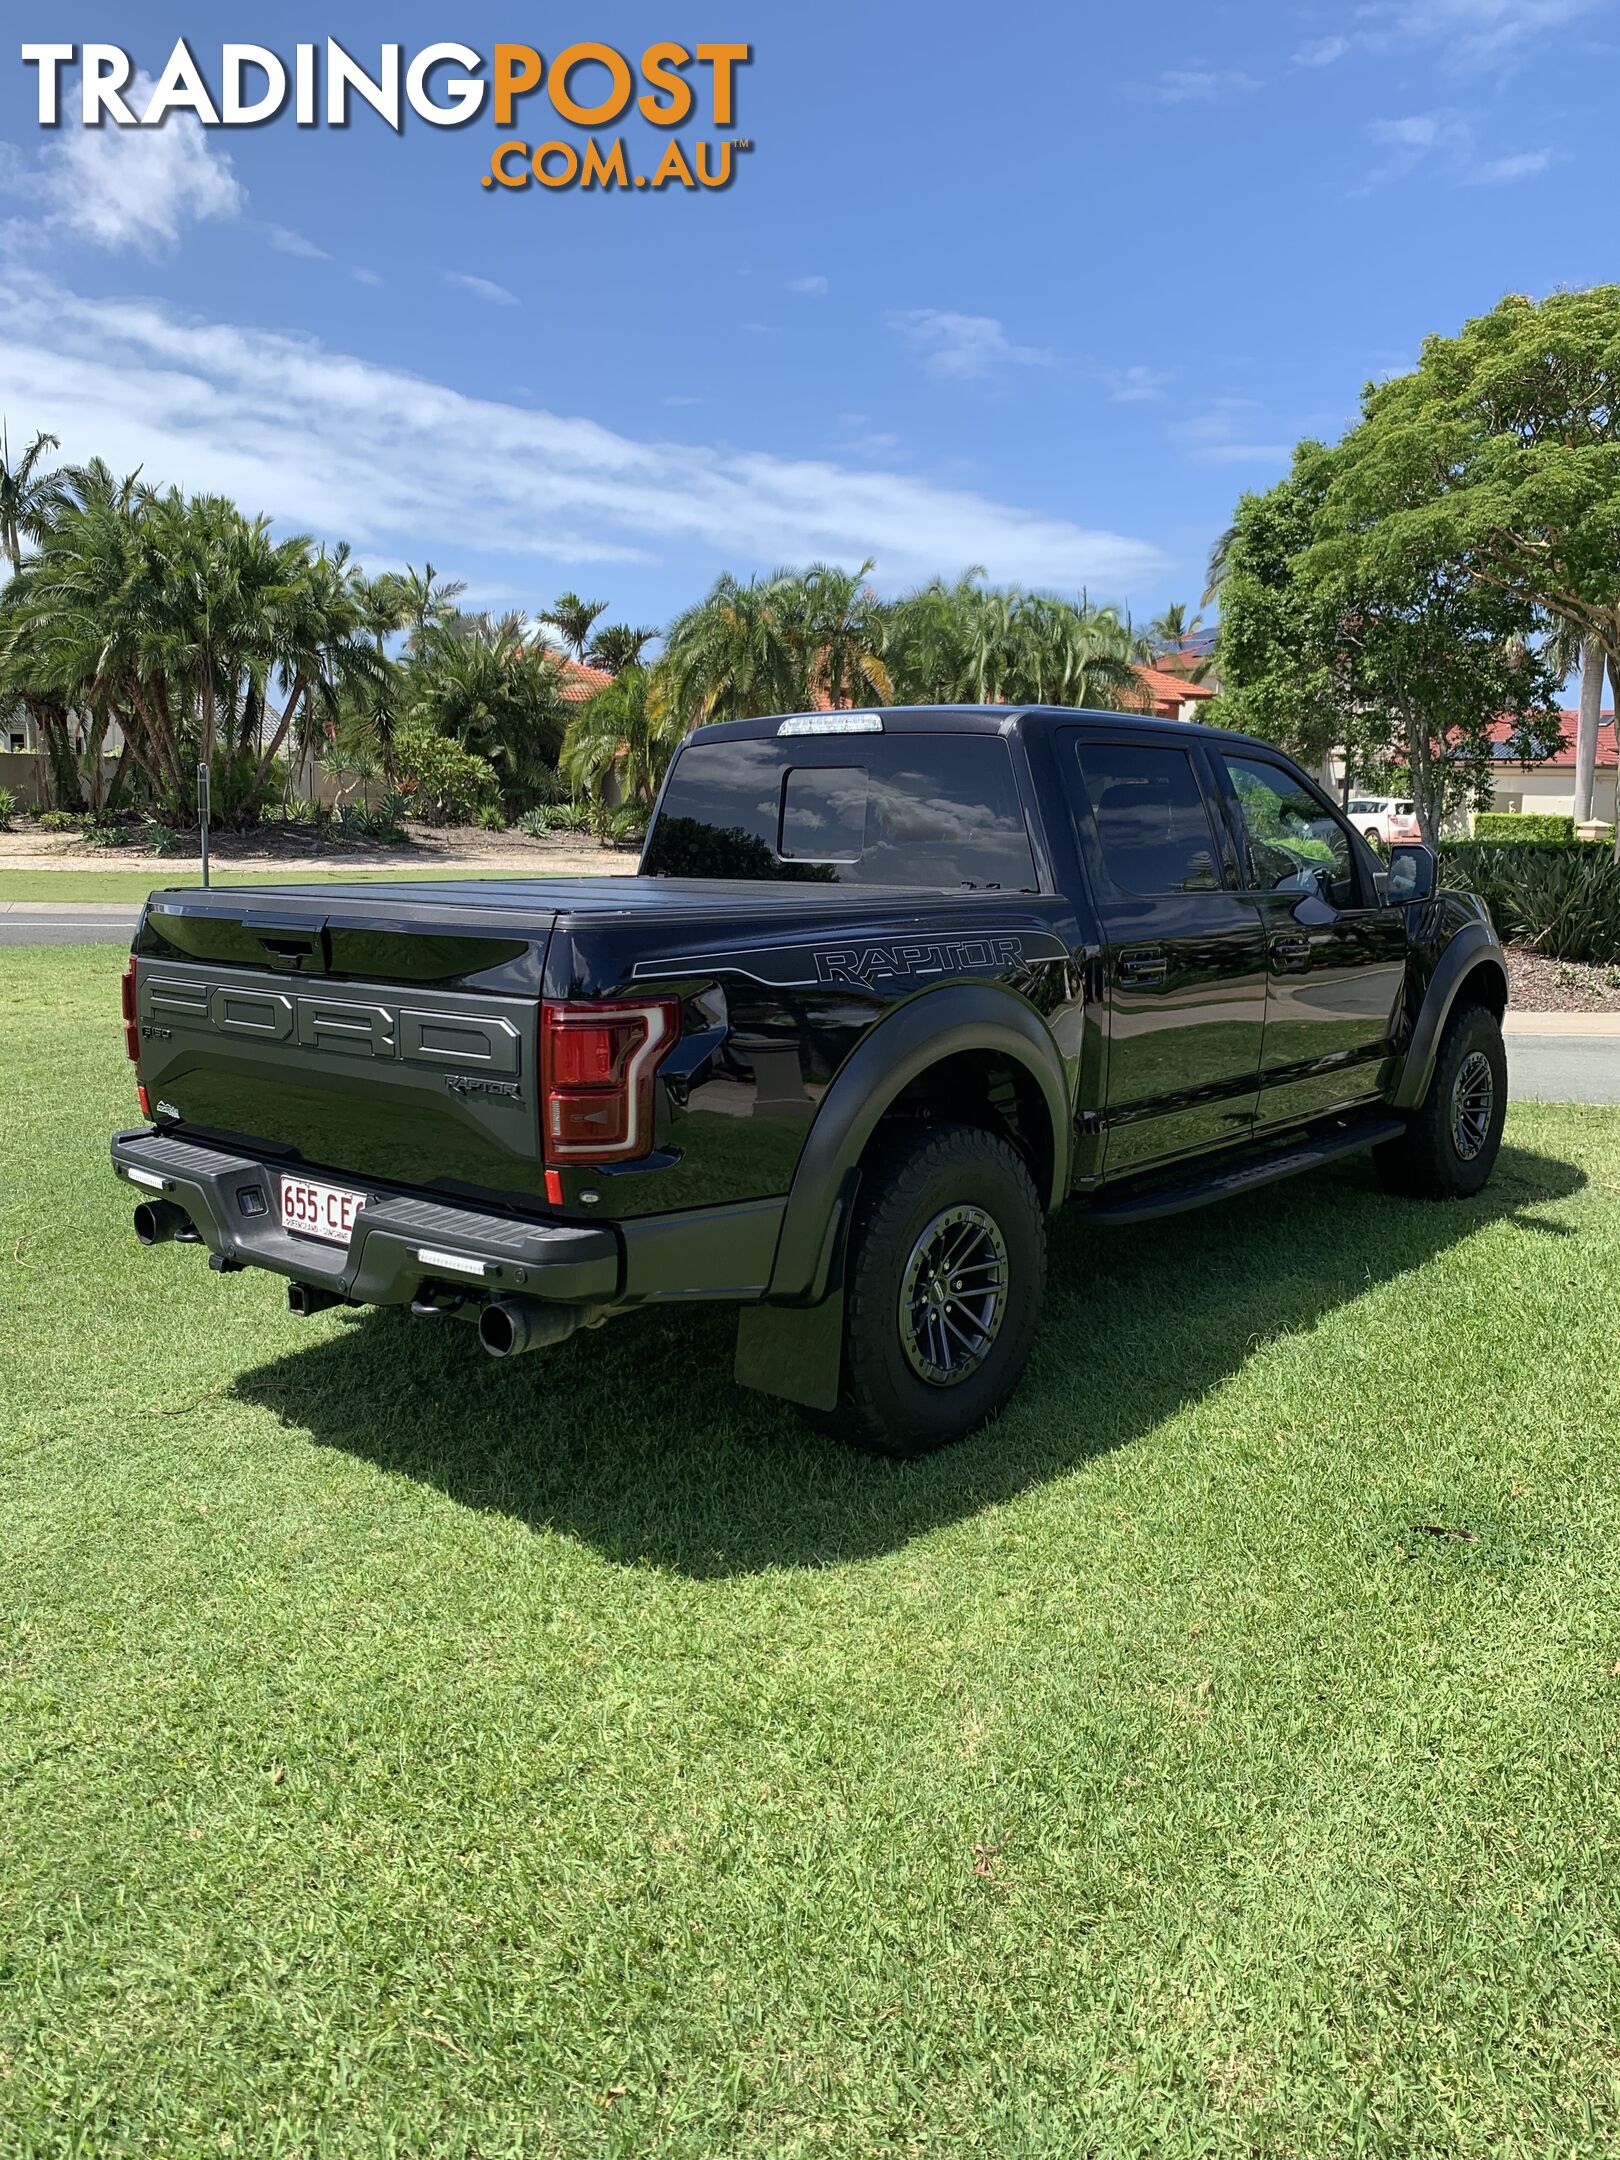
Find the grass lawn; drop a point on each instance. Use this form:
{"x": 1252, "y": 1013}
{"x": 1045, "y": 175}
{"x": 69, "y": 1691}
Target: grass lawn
{"x": 132, "y": 886}
{"x": 408, "y": 1755}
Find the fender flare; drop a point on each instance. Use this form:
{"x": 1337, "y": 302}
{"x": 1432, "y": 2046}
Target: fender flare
{"x": 924, "y": 1031}
{"x": 1473, "y": 946}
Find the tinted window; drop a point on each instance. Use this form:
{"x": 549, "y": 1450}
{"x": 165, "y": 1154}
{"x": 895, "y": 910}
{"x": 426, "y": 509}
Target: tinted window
{"x": 824, "y": 813}
{"x": 1151, "y": 821}
{"x": 1292, "y": 843}
{"x": 928, "y": 810}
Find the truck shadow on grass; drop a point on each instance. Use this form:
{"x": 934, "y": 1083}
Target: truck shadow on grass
{"x": 634, "y": 1439}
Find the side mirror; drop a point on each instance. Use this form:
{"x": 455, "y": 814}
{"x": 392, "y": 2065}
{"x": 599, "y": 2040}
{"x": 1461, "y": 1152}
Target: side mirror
{"x": 1412, "y": 874}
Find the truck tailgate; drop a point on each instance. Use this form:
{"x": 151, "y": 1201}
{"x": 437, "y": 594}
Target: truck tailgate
{"x": 348, "y": 1035}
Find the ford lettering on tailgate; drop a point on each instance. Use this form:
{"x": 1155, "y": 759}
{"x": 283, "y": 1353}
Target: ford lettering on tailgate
{"x": 336, "y": 1026}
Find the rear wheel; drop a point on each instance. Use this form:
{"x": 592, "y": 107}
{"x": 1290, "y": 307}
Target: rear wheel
{"x": 1451, "y": 1143}
{"x": 946, "y": 1272}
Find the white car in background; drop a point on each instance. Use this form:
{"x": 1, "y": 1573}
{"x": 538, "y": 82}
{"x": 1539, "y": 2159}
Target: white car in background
{"x": 1385, "y": 818}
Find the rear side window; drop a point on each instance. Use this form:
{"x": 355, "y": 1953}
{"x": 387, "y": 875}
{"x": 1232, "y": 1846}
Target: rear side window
{"x": 1152, "y": 824}
{"x": 918, "y": 810}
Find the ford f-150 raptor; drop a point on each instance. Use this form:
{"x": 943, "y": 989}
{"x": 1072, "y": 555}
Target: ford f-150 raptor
{"x": 888, "y": 987}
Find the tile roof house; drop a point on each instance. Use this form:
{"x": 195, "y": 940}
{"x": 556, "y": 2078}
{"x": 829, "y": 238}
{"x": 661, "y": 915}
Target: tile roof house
{"x": 1548, "y": 784}
{"x": 1168, "y": 694}
{"x": 578, "y": 681}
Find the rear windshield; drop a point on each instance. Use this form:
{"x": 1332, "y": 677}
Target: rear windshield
{"x": 934, "y": 810}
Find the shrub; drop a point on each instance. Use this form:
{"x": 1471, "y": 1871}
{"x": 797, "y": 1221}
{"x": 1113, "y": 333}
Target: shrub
{"x": 1563, "y": 900}
{"x": 443, "y": 784}
{"x": 161, "y": 839}
{"x": 491, "y": 819}
{"x": 8, "y": 806}
{"x": 103, "y": 831}
{"x": 625, "y": 825}
{"x": 59, "y": 821}
{"x": 1524, "y": 828}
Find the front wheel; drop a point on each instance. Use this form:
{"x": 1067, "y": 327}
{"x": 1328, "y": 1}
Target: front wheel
{"x": 1452, "y": 1140}
{"x": 946, "y": 1272}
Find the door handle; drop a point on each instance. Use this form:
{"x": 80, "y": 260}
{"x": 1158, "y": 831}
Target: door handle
{"x": 1287, "y": 946}
{"x": 1144, "y": 966}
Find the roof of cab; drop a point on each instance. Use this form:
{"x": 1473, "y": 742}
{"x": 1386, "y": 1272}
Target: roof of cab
{"x": 964, "y": 719}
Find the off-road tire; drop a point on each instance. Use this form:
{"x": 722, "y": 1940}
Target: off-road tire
{"x": 919, "y": 1176}
{"x": 1452, "y": 1140}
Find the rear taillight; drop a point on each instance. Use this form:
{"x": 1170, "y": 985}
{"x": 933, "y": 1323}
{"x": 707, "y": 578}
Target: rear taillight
{"x": 132, "y": 1032}
{"x": 126, "y": 998}
{"x": 596, "y": 1077}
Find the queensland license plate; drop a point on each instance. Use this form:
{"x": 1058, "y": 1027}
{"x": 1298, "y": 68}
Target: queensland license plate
{"x": 316, "y": 1210}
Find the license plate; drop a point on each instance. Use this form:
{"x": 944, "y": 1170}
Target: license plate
{"x": 315, "y": 1210}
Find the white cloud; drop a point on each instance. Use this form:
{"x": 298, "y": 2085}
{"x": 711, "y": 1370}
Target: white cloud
{"x": 816, "y": 285}
{"x": 1224, "y": 434}
{"x": 1446, "y": 139}
{"x": 1194, "y": 86}
{"x": 963, "y": 348}
{"x": 346, "y": 447}
{"x": 482, "y": 288}
{"x": 1519, "y": 165}
{"x": 1136, "y": 385}
{"x": 128, "y": 187}
{"x": 1475, "y": 33}
{"x": 1322, "y": 52}
{"x": 365, "y": 277}
{"x": 287, "y": 242}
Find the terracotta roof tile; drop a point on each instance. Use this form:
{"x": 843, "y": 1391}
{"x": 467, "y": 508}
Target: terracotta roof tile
{"x": 1502, "y": 735}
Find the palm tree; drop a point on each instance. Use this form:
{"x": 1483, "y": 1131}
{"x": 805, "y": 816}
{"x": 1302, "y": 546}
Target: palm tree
{"x": 736, "y": 653}
{"x": 838, "y": 627}
{"x": 571, "y": 617}
{"x": 1594, "y": 649}
{"x": 981, "y": 644}
{"x": 32, "y": 495}
{"x": 175, "y": 616}
{"x": 481, "y": 683}
{"x": 629, "y": 728}
{"x": 411, "y": 599}
{"x": 616, "y": 647}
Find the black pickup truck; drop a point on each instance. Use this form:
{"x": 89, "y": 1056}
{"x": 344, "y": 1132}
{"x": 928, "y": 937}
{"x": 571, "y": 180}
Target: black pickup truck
{"x": 887, "y": 989}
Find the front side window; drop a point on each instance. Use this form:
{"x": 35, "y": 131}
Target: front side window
{"x": 1152, "y": 823}
{"x": 1291, "y": 842}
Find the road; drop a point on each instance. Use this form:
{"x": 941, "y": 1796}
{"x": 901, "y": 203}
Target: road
{"x": 1552, "y": 1057}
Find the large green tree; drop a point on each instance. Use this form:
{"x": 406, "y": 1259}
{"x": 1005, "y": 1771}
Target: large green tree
{"x": 1395, "y": 660}
{"x": 1499, "y": 455}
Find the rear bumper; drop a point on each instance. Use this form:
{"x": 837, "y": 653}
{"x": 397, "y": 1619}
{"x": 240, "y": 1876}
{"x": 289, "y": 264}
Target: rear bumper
{"x": 232, "y": 1201}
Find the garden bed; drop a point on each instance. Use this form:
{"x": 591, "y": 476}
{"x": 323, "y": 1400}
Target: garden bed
{"x": 309, "y": 847}
{"x": 1543, "y": 985}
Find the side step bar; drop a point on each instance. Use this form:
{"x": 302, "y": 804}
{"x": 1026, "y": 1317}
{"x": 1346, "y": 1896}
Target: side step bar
{"x": 1310, "y": 1152}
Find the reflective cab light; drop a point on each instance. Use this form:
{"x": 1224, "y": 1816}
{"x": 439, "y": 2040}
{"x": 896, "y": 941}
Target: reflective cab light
{"x": 554, "y": 1191}
{"x": 833, "y": 723}
{"x": 597, "y": 1063}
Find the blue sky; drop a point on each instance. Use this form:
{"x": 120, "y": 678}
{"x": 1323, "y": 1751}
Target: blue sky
{"x": 1041, "y": 287}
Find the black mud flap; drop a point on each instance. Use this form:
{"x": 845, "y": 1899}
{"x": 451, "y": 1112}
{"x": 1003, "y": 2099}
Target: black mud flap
{"x": 795, "y": 1351}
